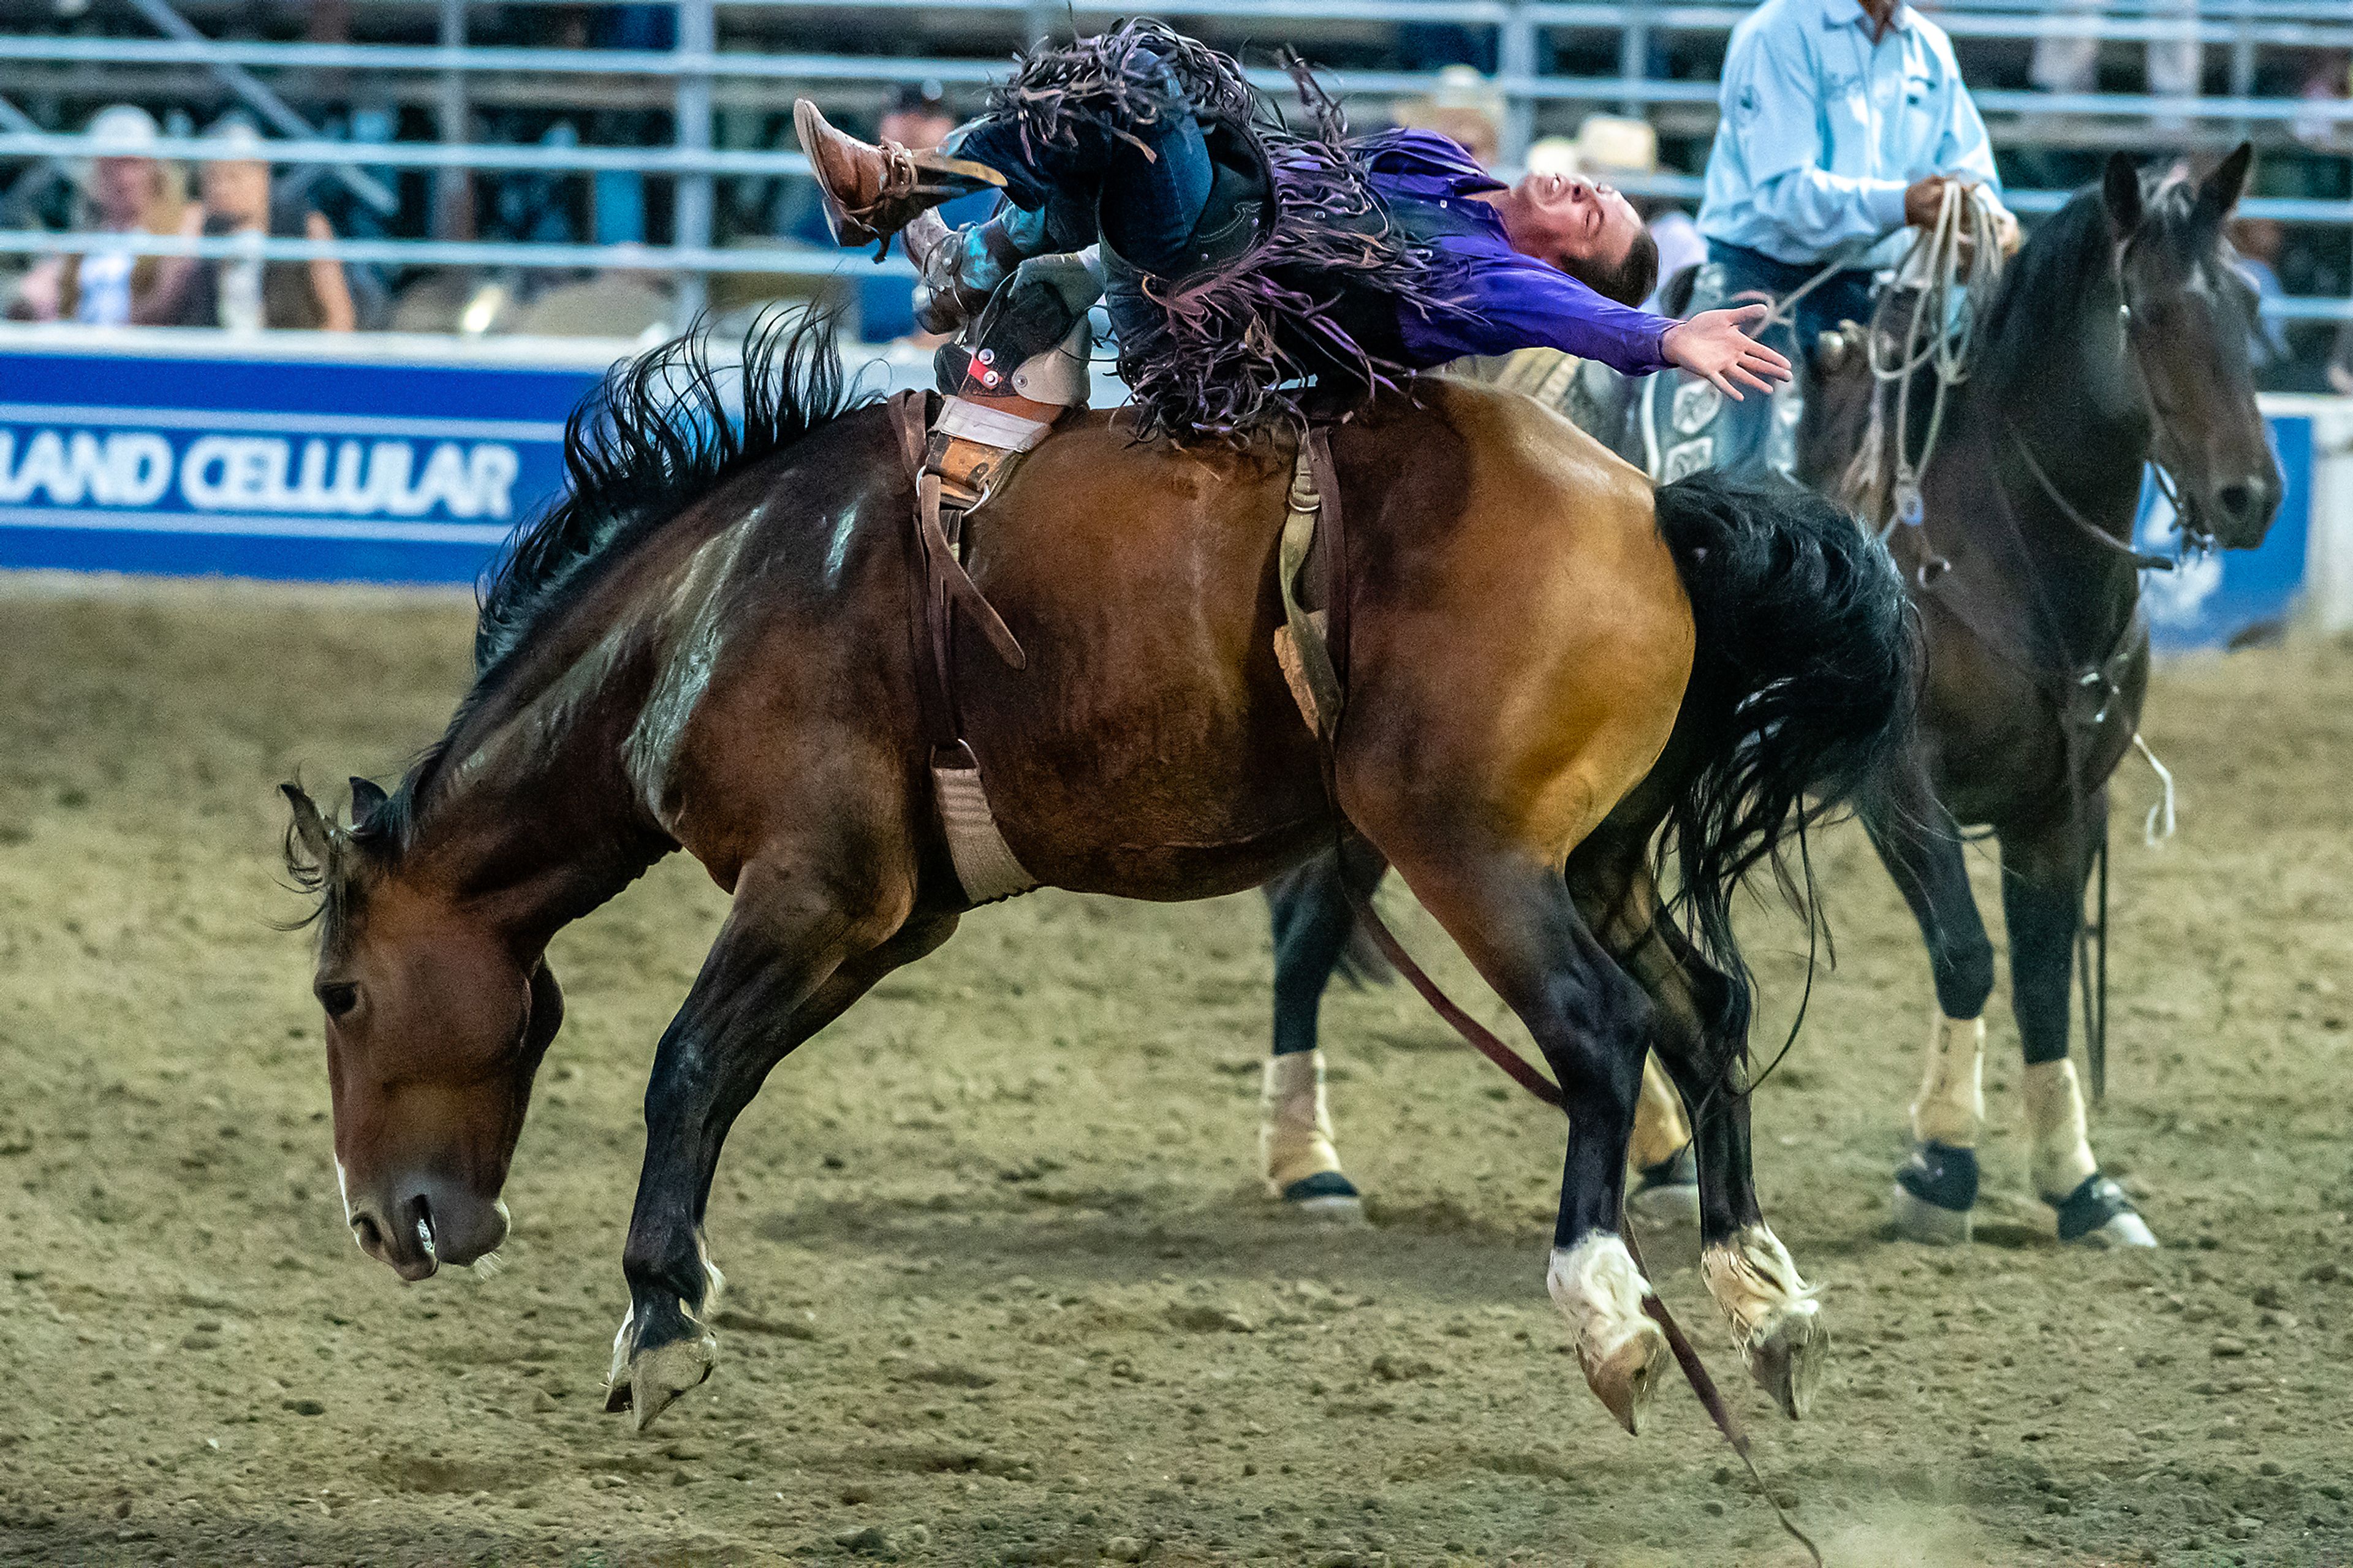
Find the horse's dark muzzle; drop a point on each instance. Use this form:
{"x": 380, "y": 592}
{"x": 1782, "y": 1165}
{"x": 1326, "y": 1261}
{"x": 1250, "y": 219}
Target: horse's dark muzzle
{"x": 2243, "y": 510}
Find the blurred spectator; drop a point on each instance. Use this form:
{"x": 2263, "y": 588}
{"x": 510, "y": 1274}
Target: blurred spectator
{"x": 126, "y": 190}
{"x": 2071, "y": 63}
{"x": 2257, "y": 243}
{"x": 247, "y": 294}
{"x": 1465, "y": 107}
{"x": 617, "y": 197}
{"x": 2328, "y": 78}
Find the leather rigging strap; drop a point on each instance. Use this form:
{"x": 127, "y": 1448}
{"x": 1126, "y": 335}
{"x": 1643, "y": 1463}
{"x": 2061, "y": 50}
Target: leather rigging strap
{"x": 944, "y": 583}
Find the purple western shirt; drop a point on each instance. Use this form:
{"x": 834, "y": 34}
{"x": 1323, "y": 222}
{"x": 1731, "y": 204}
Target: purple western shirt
{"x": 1504, "y": 300}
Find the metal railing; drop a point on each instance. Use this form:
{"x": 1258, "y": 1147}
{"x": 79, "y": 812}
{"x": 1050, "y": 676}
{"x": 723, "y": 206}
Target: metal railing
{"x": 690, "y": 78}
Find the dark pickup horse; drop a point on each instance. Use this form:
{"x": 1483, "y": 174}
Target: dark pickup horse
{"x": 2119, "y": 338}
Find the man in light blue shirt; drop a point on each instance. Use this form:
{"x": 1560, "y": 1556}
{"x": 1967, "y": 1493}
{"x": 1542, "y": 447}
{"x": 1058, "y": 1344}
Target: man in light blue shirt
{"x": 1842, "y": 120}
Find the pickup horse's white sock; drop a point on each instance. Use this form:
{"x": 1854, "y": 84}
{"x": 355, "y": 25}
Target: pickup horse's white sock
{"x": 1950, "y": 1108}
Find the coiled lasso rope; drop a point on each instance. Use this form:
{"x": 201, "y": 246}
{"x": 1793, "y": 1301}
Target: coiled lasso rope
{"x": 1957, "y": 262}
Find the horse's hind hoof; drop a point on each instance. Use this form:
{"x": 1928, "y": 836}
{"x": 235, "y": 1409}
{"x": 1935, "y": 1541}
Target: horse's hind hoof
{"x": 1666, "y": 1195}
{"x": 1935, "y": 1191}
{"x": 1786, "y": 1358}
{"x": 1626, "y": 1375}
{"x": 2098, "y": 1214}
{"x": 1917, "y": 1219}
{"x": 1327, "y": 1198}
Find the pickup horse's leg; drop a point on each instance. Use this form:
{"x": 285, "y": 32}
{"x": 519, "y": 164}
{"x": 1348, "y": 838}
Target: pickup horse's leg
{"x": 1921, "y": 847}
{"x": 2043, "y": 872}
{"x": 1700, "y": 1032}
{"x": 790, "y": 958}
{"x": 1312, "y": 921}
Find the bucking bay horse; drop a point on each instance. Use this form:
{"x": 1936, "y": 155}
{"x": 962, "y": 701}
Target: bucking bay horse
{"x": 709, "y": 645}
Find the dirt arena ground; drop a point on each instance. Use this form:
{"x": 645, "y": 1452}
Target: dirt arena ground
{"x": 1003, "y": 1288}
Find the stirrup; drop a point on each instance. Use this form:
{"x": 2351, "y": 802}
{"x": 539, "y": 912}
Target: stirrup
{"x": 908, "y": 184}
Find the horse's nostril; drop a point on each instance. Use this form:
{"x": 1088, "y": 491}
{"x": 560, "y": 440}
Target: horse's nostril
{"x": 2240, "y": 501}
{"x": 364, "y": 1229}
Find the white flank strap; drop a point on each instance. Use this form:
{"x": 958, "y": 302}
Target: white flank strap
{"x": 984, "y": 863}
{"x": 990, "y": 426}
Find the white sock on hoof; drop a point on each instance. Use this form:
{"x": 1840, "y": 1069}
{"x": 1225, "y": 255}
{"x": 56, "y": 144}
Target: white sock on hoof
{"x": 2054, "y": 1121}
{"x": 1294, "y": 1124}
{"x": 1754, "y": 1281}
{"x": 1950, "y": 1108}
{"x": 1596, "y": 1286}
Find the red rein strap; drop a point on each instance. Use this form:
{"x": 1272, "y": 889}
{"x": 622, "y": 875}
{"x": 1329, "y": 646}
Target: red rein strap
{"x": 1524, "y": 1074}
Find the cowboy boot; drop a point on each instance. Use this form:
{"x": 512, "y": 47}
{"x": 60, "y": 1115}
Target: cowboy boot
{"x": 871, "y": 192}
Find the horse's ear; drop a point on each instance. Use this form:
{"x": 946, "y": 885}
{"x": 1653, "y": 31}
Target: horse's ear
{"x": 2120, "y": 189}
{"x": 365, "y": 798}
{"x": 2219, "y": 191}
{"x": 312, "y": 833}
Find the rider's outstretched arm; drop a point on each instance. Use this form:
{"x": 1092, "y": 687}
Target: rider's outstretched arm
{"x": 1517, "y": 302}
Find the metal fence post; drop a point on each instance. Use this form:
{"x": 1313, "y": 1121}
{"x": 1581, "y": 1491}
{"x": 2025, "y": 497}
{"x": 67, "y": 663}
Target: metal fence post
{"x": 1634, "y": 53}
{"x": 453, "y": 189}
{"x": 1515, "y": 65}
{"x": 690, "y": 209}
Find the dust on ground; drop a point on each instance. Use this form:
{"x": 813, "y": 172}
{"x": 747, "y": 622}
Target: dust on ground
{"x": 1004, "y": 1289}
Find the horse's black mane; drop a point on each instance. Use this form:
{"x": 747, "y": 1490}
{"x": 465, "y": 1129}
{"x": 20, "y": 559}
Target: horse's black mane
{"x": 653, "y": 438}
{"x": 636, "y": 451}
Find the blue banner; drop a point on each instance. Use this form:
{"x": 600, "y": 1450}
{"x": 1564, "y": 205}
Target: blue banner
{"x": 310, "y": 468}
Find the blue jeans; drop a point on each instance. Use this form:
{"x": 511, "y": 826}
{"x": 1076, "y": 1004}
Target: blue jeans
{"x": 1689, "y": 425}
{"x": 1143, "y": 192}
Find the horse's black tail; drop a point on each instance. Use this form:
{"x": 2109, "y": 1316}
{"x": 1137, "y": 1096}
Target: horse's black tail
{"x": 1802, "y": 688}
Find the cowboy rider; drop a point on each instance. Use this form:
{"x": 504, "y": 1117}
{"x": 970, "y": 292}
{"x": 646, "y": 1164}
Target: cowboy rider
{"x": 1391, "y": 253}
{"x": 1843, "y": 121}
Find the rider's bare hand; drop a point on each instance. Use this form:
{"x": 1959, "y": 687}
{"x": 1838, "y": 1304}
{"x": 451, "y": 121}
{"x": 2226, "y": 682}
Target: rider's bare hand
{"x": 1716, "y": 344}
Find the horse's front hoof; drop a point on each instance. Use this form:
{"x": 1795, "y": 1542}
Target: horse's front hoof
{"x": 647, "y": 1379}
{"x": 1787, "y": 1355}
{"x": 1935, "y": 1191}
{"x": 2098, "y": 1214}
{"x": 656, "y": 1377}
{"x": 1624, "y": 1375}
{"x": 1327, "y": 1198}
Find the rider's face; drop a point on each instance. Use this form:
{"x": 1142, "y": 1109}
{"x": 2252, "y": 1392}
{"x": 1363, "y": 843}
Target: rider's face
{"x": 1566, "y": 218}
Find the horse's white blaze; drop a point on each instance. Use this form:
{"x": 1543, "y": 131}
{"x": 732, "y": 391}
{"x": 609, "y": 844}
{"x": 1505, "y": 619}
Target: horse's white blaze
{"x": 690, "y": 632}
{"x": 1757, "y": 1285}
{"x": 2061, "y": 1140}
{"x": 1294, "y": 1127}
{"x": 1950, "y": 1108}
{"x": 343, "y": 1190}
